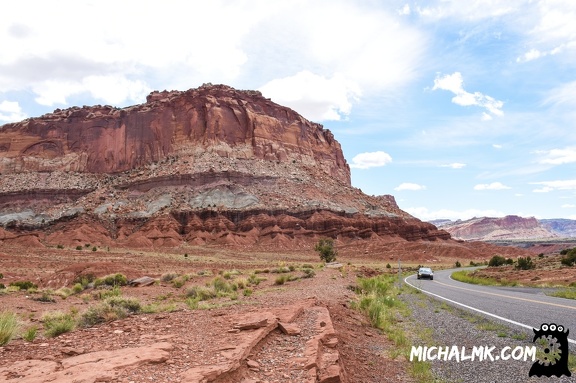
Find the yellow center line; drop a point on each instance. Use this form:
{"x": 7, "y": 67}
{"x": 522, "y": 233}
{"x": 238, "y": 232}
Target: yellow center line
{"x": 508, "y": 296}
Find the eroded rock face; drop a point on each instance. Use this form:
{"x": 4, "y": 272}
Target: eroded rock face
{"x": 220, "y": 119}
{"x": 208, "y": 165}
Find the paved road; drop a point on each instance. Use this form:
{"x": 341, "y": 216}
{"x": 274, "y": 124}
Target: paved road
{"x": 524, "y": 307}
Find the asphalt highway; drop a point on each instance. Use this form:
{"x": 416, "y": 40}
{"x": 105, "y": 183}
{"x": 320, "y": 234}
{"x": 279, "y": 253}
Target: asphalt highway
{"x": 523, "y": 307}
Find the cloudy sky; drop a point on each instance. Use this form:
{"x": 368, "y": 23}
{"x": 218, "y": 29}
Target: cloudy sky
{"x": 457, "y": 108}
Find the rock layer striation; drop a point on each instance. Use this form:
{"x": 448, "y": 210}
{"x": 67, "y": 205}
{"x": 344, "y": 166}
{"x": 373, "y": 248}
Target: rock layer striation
{"x": 212, "y": 164}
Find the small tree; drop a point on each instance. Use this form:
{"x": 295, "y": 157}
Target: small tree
{"x": 326, "y": 249}
{"x": 525, "y": 263}
{"x": 496, "y": 261}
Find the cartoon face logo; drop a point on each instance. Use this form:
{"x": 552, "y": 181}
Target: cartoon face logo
{"x": 553, "y": 359}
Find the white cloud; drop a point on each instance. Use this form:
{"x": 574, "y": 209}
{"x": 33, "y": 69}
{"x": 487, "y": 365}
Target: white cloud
{"x": 315, "y": 97}
{"x": 11, "y": 111}
{"x": 492, "y": 186}
{"x": 454, "y": 165}
{"x": 409, "y": 186}
{"x": 346, "y": 47}
{"x": 568, "y": 206}
{"x": 454, "y": 83}
{"x": 532, "y": 54}
{"x": 564, "y": 94}
{"x": 497, "y": 146}
{"x": 370, "y": 160}
{"x": 557, "y": 156}
{"x": 548, "y": 186}
{"x": 427, "y": 215}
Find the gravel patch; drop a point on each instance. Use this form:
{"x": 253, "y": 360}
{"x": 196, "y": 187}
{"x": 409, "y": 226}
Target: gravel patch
{"x": 441, "y": 324}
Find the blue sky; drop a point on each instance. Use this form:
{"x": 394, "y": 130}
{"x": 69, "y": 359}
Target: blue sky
{"x": 457, "y": 108}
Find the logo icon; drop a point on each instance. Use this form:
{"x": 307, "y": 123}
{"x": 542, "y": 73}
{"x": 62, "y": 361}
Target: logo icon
{"x": 553, "y": 358}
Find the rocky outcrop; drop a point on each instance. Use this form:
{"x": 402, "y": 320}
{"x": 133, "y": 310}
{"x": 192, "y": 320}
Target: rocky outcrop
{"x": 219, "y": 119}
{"x": 208, "y": 165}
{"x": 508, "y": 227}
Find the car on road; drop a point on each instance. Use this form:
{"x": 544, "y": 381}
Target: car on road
{"x": 425, "y": 272}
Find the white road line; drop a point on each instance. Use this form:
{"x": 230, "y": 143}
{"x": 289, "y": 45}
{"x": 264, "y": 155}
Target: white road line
{"x": 475, "y": 309}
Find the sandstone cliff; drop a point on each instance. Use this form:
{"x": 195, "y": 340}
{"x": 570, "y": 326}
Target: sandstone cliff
{"x": 208, "y": 165}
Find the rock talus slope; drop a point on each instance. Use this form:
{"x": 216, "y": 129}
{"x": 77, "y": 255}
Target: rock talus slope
{"x": 207, "y": 165}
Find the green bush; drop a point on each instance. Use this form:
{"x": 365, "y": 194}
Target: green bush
{"x": 132, "y": 305}
{"x": 325, "y": 247}
{"x": 569, "y": 257}
{"x": 57, "y": 322}
{"x": 308, "y": 273}
{"x": 222, "y": 286}
{"x": 496, "y": 261}
{"x": 281, "y": 279}
{"x": 201, "y": 293}
{"x": 525, "y": 263}
{"x": 112, "y": 280}
{"x": 168, "y": 277}
{"x": 8, "y": 327}
{"x": 30, "y": 334}
{"x": 101, "y": 313}
{"x": 24, "y": 285}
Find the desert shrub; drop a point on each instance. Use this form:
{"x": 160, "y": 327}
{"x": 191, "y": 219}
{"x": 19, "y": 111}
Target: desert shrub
{"x": 388, "y": 266}
{"x": 111, "y": 280}
{"x": 247, "y": 292}
{"x": 45, "y": 297}
{"x": 223, "y": 286}
{"x": 281, "y": 270}
{"x": 525, "y": 263}
{"x": 59, "y": 246}
{"x": 541, "y": 255}
{"x": 281, "y": 279}
{"x": 241, "y": 282}
{"x": 325, "y": 247}
{"x": 168, "y": 277}
{"x": 291, "y": 268}
{"x": 497, "y": 260}
{"x": 569, "y": 257}
{"x": 259, "y": 271}
{"x": 84, "y": 279}
{"x": 101, "y": 313}
{"x": 57, "y": 322}
{"x": 2, "y": 286}
{"x": 509, "y": 261}
{"x": 77, "y": 288}
{"x": 201, "y": 293}
{"x": 1, "y": 276}
{"x": 78, "y": 247}
{"x": 255, "y": 280}
{"x": 107, "y": 293}
{"x": 24, "y": 285}
{"x": 179, "y": 282}
{"x": 132, "y": 305}
{"x": 94, "y": 248}
{"x": 8, "y": 327}
{"x": 30, "y": 334}
{"x": 308, "y": 273}
{"x": 458, "y": 264}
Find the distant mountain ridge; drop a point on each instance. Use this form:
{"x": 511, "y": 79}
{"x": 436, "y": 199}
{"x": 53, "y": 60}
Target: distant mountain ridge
{"x": 508, "y": 227}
